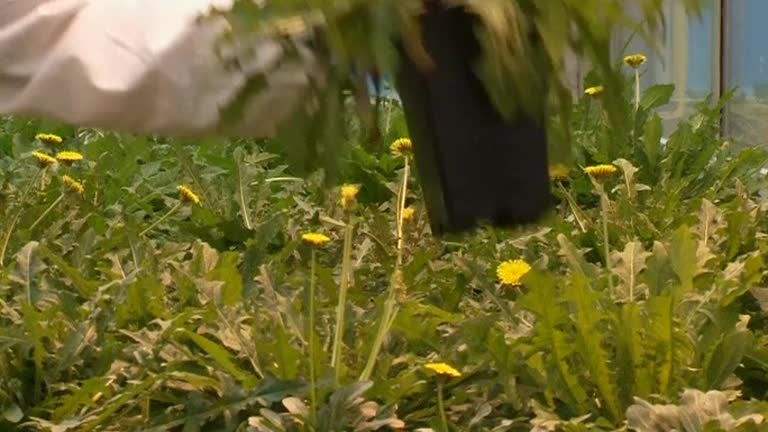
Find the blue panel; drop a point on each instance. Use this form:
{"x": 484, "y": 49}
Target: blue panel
{"x": 700, "y": 51}
{"x": 748, "y": 50}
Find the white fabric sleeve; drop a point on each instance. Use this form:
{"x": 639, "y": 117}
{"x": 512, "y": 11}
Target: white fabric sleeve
{"x": 144, "y": 66}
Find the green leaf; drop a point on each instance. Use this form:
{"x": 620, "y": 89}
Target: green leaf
{"x": 556, "y": 345}
{"x": 86, "y": 287}
{"x": 659, "y": 271}
{"x": 682, "y": 257}
{"x": 591, "y": 341}
{"x": 662, "y": 334}
{"x": 652, "y": 142}
{"x": 227, "y": 271}
{"x": 287, "y": 356}
{"x": 728, "y": 354}
{"x": 143, "y": 301}
{"x": 634, "y": 373}
{"x": 656, "y": 96}
{"x": 221, "y": 356}
{"x": 574, "y": 257}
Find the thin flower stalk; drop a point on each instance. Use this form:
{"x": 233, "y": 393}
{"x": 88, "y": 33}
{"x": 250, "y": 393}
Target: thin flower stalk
{"x": 396, "y": 286}
{"x": 441, "y": 406}
{"x": 312, "y": 342}
{"x": 48, "y": 210}
{"x": 346, "y": 274}
{"x": 162, "y": 218}
{"x": 186, "y": 195}
{"x": 315, "y": 240}
{"x": 635, "y": 61}
{"x": 578, "y": 213}
{"x": 604, "y": 205}
{"x": 443, "y": 371}
{"x": 637, "y": 89}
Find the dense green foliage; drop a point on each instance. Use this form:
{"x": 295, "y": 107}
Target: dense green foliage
{"x": 202, "y": 322}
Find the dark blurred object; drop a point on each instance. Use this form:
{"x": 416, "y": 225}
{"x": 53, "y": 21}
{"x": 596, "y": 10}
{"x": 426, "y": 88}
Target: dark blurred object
{"x": 474, "y": 166}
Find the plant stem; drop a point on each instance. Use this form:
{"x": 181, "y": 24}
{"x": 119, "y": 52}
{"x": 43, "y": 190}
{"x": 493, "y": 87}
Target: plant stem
{"x": 346, "y": 273}
{"x": 48, "y": 210}
{"x": 17, "y": 216}
{"x": 7, "y": 237}
{"x": 385, "y": 322}
{"x": 164, "y": 217}
{"x": 241, "y": 196}
{"x": 400, "y": 207}
{"x": 578, "y": 213}
{"x": 637, "y": 89}
{"x": 441, "y": 406}
{"x": 606, "y": 244}
{"x": 312, "y": 377}
{"x": 396, "y": 284}
{"x": 586, "y": 115}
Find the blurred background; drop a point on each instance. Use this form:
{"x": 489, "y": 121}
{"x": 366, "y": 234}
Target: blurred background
{"x": 723, "y": 49}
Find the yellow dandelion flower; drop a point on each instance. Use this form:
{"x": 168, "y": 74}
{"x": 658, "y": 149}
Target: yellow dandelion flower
{"x": 48, "y": 138}
{"x": 72, "y": 184}
{"x": 635, "y": 60}
{"x": 69, "y": 156}
{"x": 408, "y": 213}
{"x": 559, "y": 172}
{"x": 594, "y": 91}
{"x": 349, "y": 195}
{"x": 43, "y": 159}
{"x": 401, "y": 147}
{"x": 187, "y": 194}
{"x": 315, "y": 238}
{"x": 443, "y": 369}
{"x": 512, "y": 271}
{"x": 600, "y": 171}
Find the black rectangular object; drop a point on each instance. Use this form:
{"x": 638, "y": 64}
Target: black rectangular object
{"x": 473, "y": 165}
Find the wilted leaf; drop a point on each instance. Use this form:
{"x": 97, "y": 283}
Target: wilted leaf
{"x": 629, "y": 171}
{"x": 296, "y": 407}
{"x": 695, "y": 411}
{"x": 28, "y": 266}
{"x": 710, "y": 223}
{"x": 13, "y": 413}
{"x": 628, "y": 265}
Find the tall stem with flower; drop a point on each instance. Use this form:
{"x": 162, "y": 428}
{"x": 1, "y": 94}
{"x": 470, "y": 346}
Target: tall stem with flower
{"x": 443, "y": 371}
{"x": 72, "y": 185}
{"x": 315, "y": 240}
{"x": 635, "y": 61}
{"x": 311, "y": 335}
{"x": 348, "y": 199}
{"x": 592, "y": 93}
{"x": 597, "y": 173}
{"x": 401, "y": 147}
{"x": 186, "y": 195}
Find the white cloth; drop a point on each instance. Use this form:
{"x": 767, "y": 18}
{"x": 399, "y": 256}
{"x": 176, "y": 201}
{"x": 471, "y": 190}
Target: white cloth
{"x": 144, "y": 66}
